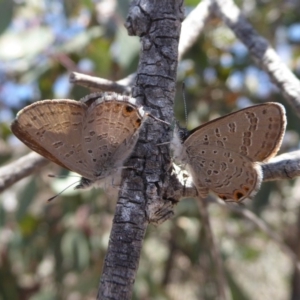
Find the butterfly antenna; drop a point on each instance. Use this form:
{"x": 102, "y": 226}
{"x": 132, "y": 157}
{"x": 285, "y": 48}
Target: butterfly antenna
{"x": 62, "y": 176}
{"x": 162, "y": 144}
{"x": 50, "y": 199}
{"x": 184, "y": 102}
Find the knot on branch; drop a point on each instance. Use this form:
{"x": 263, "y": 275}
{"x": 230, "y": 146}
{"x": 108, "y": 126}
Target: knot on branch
{"x": 137, "y": 22}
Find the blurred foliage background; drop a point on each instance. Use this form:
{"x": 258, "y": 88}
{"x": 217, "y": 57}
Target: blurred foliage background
{"x": 56, "y": 250}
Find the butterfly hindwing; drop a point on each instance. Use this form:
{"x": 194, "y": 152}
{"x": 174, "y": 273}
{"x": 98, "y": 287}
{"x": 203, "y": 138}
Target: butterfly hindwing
{"x": 230, "y": 175}
{"x": 110, "y": 133}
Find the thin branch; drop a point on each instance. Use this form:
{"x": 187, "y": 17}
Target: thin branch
{"x": 259, "y": 223}
{"x": 263, "y": 54}
{"x": 128, "y": 80}
{"x": 284, "y": 166}
{"x": 191, "y": 29}
{"x": 99, "y": 84}
{"x": 20, "y": 169}
{"x": 223, "y": 291}
{"x": 293, "y": 238}
{"x": 261, "y": 51}
{"x": 142, "y": 193}
{"x": 281, "y": 167}
{"x": 193, "y": 26}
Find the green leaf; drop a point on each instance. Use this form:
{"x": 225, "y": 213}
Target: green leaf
{"x": 25, "y": 44}
{"x": 75, "y": 250}
{"x": 25, "y": 199}
{"x": 6, "y": 12}
{"x": 126, "y": 47}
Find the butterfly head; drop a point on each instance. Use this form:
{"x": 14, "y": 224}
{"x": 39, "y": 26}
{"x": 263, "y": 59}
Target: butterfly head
{"x": 181, "y": 132}
{"x": 179, "y": 136}
{"x": 84, "y": 184}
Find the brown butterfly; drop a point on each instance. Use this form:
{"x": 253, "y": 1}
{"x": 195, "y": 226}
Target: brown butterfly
{"x": 224, "y": 154}
{"x": 92, "y": 137}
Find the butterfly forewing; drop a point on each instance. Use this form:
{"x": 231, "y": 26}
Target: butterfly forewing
{"x": 255, "y": 132}
{"x": 55, "y": 127}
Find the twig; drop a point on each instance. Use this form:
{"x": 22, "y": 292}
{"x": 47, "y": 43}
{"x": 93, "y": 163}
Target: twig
{"x": 215, "y": 253}
{"x": 284, "y": 166}
{"x": 261, "y": 51}
{"x": 193, "y": 26}
{"x": 20, "y": 169}
{"x": 191, "y": 29}
{"x": 97, "y": 83}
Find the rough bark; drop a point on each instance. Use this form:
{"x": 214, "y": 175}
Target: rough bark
{"x": 142, "y": 196}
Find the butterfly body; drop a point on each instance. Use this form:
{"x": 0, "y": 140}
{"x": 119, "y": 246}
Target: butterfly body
{"x": 224, "y": 154}
{"x": 92, "y": 137}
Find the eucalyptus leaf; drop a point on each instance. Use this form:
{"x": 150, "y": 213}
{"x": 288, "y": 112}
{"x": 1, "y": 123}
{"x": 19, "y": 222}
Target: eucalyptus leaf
{"x": 29, "y": 43}
{"x": 25, "y": 199}
{"x": 6, "y": 13}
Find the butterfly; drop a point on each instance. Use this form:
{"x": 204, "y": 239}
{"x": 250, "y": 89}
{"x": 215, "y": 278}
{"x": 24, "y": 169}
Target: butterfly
{"x": 92, "y": 137}
{"x": 224, "y": 155}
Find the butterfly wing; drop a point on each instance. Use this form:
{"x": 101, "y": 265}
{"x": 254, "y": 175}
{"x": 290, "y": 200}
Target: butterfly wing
{"x": 53, "y": 128}
{"x": 110, "y": 133}
{"x": 221, "y": 154}
{"x": 255, "y": 132}
{"x": 230, "y": 175}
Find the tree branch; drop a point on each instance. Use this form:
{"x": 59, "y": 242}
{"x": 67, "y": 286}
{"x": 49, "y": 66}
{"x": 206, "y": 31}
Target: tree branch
{"x": 101, "y": 84}
{"x": 263, "y": 54}
{"x": 191, "y": 29}
{"x": 281, "y": 167}
{"x": 193, "y": 26}
{"x": 141, "y": 199}
{"x": 284, "y": 166}
{"x": 20, "y": 169}
{"x": 223, "y": 291}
